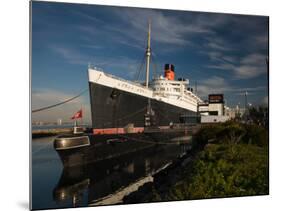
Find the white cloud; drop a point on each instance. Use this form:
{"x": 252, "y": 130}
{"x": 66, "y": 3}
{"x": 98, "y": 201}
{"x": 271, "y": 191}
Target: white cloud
{"x": 165, "y": 29}
{"x": 250, "y": 90}
{"x": 216, "y": 43}
{"x": 69, "y": 55}
{"x": 215, "y": 81}
{"x": 255, "y": 59}
{"x": 121, "y": 65}
{"x": 87, "y": 17}
{"x": 251, "y": 66}
{"x": 91, "y": 46}
{"x": 217, "y": 46}
{"x": 220, "y": 58}
{"x": 222, "y": 66}
{"x": 262, "y": 40}
{"x": 213, "y": 85}
{"x": 247, "y": 71}
{"x": 216, "y": 84}
{"x": 230, "y": 59}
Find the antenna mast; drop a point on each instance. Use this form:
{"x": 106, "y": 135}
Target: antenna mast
{"x": 148, "y": 53}
{"x": 246, "y": 100}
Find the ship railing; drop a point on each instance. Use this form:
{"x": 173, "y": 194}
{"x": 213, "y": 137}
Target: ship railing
{"x": 118, "y": 78}
{"x": 127, "y": 81}
{"x": 193, "y": 95}
{"x": 95, "y": 68}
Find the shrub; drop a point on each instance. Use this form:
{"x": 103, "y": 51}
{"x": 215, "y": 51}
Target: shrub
{"x": 236, "y": 165}
{"x": 256, "y": 135}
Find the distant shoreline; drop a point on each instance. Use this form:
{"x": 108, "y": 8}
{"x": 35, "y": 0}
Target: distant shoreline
{"x": 41, "y": 133}
{"x": 53, "y": 126}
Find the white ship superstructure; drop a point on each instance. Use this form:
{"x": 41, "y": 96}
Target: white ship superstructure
{"x": 161, "y": 89}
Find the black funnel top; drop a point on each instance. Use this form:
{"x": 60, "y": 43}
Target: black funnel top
{"x": 170, "y": 67}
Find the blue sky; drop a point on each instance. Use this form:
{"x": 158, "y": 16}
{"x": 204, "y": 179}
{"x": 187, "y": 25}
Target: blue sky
{"x": 223, "y": 53}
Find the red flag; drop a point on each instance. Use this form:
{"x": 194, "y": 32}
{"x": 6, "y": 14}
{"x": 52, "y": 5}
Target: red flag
{"x": 77, "y": 115}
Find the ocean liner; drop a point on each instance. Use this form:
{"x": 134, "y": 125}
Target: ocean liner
{"x": 119, "y": 105}
{"x": 128, "y": 117}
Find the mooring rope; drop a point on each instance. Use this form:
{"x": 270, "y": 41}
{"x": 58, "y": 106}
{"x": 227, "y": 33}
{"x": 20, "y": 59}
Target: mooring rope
{"x": 61, "y": 103}
{"x": 155, "y": 142}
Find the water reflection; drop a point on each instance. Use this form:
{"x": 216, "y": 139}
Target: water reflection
{"x": 90, "y": 183}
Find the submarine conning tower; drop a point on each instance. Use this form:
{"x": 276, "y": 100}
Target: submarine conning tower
{"x": 169, "y": 72}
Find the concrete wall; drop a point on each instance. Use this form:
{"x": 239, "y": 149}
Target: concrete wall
{"x": 216, "y": 107}
{"x": 214, "y": 119}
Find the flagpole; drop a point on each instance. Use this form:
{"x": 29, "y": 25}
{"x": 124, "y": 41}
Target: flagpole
{"x": 76, "y": 116}
{"x": 74, "y": 127}
{"x": 81, "y": 116}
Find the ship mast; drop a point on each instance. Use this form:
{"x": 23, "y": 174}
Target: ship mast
{"x": 148, "y": 52}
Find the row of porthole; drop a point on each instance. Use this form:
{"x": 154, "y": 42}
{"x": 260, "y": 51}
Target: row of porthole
{"x": 167, "y": 89}
{"x": 131, "y": 87}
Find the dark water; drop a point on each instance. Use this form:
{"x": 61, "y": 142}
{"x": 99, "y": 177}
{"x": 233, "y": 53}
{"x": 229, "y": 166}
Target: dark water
{"x": 97, "y": 183}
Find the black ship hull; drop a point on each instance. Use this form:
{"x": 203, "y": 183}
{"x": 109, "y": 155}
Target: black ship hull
{"x": 107, "y": 146}
{"x": 114, "y": 108}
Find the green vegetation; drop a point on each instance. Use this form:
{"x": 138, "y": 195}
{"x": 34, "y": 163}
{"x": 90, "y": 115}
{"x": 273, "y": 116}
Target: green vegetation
{"x": 259, "y": 115}
{"x": 229, "y": 159}
{"x": 234, "y": 163}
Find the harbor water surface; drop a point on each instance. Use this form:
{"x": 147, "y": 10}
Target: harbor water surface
{"x": 96, "y": 183}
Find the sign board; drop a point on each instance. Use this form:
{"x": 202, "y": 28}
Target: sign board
{"x": 216, "y": 98}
